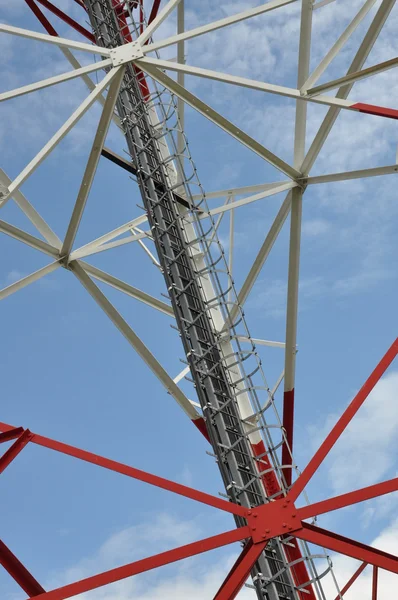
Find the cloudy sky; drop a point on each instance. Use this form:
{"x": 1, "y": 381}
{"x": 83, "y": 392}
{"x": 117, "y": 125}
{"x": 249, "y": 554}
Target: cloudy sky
{"x": 69, "y": 374}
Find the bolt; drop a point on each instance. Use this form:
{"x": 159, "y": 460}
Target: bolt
{"x": 284, "y": 505}
{"x": 290, "y": 527}
{"x": 267, "y": 530}
{"x": 253, "y": 529}
{"x": 283, "y": 524}
{"x": 255, "y": 515}
{"x": 249, "y": 512}
{"x": 294, "y": 516}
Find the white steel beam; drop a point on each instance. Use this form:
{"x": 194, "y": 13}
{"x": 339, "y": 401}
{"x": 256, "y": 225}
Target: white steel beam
{"x": 261, "y": 257}
{"x": 240, "y": 191}
{"x": 361, "y": 174}
{"x": 89, "y": 83}
{"x": 128, "y": 289}
{"x": 153, "y": 65}
{"x": 181, "y": 375}
{"x": 93, "y": 159}
{"x": 215, "y": 117}
{"x": 279, "y": 187}
{"x": 231, "y": 249}
{"x": 18, "y": 285}
{"x": 144, "y": 247}
{"x": 181, "y": 79}
{"x": 59, "y": 135}
{"x": 87, "y": 249}
{"x": 134, "y": 341}
{"x": 343, "y": 39}
{"x": 246, "y": 14}
{"x": 295, "y": 237}
{"x": 45, "y": 83}
{"x": 356, "y": 65}
{"x": 27, "y": 238}
{"x": 373, "y": 70}
{"x": 158, "y": 20}
{"x": 51, "y": 39}
{"x": 32, "y": 214}
{"x": 259, "y": 342}
{"x": 80, "y": 253}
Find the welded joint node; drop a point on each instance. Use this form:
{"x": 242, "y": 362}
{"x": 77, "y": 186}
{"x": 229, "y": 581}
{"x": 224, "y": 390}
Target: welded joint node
{"x": 273, "y": 520}
{"x": 126, "y": 53}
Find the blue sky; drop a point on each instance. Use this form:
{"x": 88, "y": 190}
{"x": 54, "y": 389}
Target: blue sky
{"x": 69, "y": 374}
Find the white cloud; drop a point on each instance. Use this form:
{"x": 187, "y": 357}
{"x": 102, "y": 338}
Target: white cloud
{"x": 196, "y": 578}
{"x": 315, "y": 227}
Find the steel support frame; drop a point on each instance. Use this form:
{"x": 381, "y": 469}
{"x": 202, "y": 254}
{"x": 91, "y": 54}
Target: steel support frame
{"x": 263, "y": 522}
{"x": 375, "y": 578}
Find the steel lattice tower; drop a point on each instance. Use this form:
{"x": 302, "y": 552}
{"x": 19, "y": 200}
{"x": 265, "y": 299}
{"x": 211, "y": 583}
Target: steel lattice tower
{"x": 236, "y": 410}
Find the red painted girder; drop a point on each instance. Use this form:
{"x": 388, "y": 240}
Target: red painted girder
{"x": 19, "y": 573}
{"x": 343, "y": 422}
{"x": 374, "y": 582}
{"x": 11, "y": 435}
{"x": 347, "y": 546}
{"x": 367, "y": 493}
{"x": 41, "y": 17}
{"x": 15, "y": 449}
{"x": 240, "y": 571}
{"x": 68, "y": 20}
{"x": 380, "y": 111}
{"x": 155, "y": 480}
{"x": 288, "y": 425}
{"x": 146, "y": 564}
{"x": 154, "y": 11}
{"x": 352, "y": 580}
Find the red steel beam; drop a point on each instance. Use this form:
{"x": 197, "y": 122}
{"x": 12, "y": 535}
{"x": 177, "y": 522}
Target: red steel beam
{"x": 146, "y": 564}
{"x": 15, "y": 449}
{"x": 374, "y": 582}
{"x": 352, "y": 580}
{"x": 367, "y": 493}
{"x": 19, "y": 573}
{"x": 11, "y": 435}
{"x": 343, "y": 422}
{"x": 41, "y": 17}
{"x": 154, "y": 11}
{"x": 347, "y": 546}
{"x": 68, "y": 20}
{"x": 240, "y": 571}
{"x": 288, "y": 425}
{"x": 134, "y": 473}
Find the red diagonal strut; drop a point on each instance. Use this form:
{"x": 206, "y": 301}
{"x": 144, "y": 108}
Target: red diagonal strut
{"x": 123, "y": 469}
{"x": 146, "y": 564}
{"x": 41, "y": 17}
{"x": 343, "y": 422}
{"x": 352, "y": 580}
{"x": 240, "y": 571}
{"x": 367, "y": 493}
{"x": 11, "y": 434}
{"x": 15, "y": 449}
{"x": 68, "y": 20}
{"x": 19, "y": 573}
{"x": 347, "y": 546}
{"x": 154, "y": 11}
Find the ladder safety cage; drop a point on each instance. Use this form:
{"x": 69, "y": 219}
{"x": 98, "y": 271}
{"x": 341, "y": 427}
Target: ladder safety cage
{"x": 236, "y": 401}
